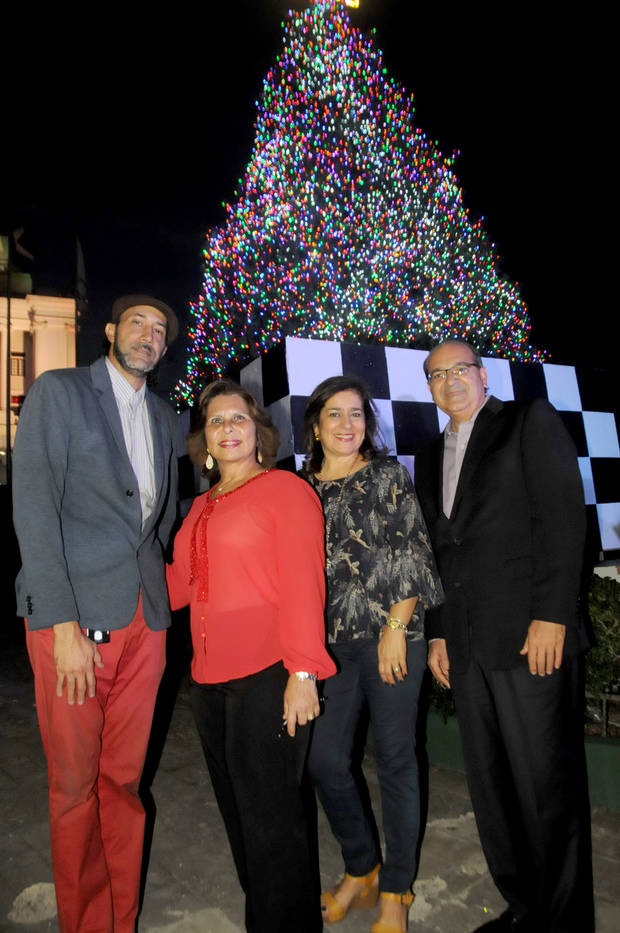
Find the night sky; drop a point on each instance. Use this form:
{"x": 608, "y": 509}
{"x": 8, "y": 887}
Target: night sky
{"x": 130, "y": 129}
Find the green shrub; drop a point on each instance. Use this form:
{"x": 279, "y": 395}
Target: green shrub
{"x": 442, "y": 700}
{"x": 603, "y": 660}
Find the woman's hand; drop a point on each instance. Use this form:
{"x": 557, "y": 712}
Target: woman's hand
{"x": 301, "y": 703}
{"x": 392, "y": 652}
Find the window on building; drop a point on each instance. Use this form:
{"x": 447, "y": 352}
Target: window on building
{"x": 18, "y": 364}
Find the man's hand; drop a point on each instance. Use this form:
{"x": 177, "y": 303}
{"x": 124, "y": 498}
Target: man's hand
{"x": 438, "y": 661}
{"x": 392, "y": 654}
{"x": 544, "y": 646}
{"x": 301, "y": 703}
{"x": 75, "y": 657}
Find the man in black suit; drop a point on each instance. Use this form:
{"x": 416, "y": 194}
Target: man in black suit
{"x": 502, "y": 497}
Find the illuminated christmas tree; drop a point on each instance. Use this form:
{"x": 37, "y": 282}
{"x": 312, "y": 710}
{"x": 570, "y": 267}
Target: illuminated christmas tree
{"x": 348, "y": 224}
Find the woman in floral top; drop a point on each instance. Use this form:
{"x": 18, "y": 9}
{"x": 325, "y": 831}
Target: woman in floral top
{"x": 380, "y": 576}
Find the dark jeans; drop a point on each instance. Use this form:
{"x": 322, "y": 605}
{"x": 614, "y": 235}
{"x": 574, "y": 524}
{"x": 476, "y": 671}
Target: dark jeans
{"x": 256, "y": 771}
{"x": 393, "y": 715}
{"x": 523, "y": 746}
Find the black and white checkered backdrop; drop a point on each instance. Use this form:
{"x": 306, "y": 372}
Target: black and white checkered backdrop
{"x": 282, "y": 379}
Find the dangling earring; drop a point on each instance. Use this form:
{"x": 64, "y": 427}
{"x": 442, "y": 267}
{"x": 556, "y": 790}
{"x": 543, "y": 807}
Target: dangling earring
{"x": 316, "y": 434}
{"x": 259, "y": 455}
{"x": 209, "y": 461}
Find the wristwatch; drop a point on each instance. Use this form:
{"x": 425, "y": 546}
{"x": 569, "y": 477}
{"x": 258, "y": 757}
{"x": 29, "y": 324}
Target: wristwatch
{"x": 395, "y": 624}
{"x": 304, "y": 675}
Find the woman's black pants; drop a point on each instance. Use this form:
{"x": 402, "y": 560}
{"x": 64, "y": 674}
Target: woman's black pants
{"x": 256, "y": 770}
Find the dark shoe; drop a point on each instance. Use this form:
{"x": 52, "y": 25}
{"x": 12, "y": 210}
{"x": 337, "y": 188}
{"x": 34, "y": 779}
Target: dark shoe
{"x": 507, "y": 923}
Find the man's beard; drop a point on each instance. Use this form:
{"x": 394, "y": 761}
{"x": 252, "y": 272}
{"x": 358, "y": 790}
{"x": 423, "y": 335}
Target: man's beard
{"x": 123, "y": 361}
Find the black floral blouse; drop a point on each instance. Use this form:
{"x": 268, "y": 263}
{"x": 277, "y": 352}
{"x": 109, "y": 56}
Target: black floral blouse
{"x": 378, "y": 550}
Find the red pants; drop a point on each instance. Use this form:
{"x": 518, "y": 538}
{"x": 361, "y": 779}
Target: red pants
{"x": 95, "y": 754}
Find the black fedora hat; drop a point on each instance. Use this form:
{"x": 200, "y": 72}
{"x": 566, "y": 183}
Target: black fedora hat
{"x": 130, "y": 301}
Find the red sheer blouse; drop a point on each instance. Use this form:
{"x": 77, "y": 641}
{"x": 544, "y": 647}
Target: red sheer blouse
{"x": 256, "y": 585}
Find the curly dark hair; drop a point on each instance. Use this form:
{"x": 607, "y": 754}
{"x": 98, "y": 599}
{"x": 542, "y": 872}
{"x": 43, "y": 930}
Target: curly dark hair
{"x": 372, "y": 446}
{"x": 267, "y": 435}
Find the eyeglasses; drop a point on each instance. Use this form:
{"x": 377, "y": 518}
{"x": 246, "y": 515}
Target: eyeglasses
{"x": 458, "y": 371}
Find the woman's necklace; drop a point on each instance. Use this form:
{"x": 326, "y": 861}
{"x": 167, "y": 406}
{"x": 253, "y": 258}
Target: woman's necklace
{"x": 335, "y": 508}
{"x": 326, "y": 479}
{"x": 230, "y": 484}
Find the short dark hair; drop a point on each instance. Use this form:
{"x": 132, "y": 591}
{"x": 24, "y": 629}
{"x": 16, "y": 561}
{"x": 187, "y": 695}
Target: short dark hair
{"x": 442, "y": 343}
{"x": 267, "y": 435}
{"x": 369, "y": 448}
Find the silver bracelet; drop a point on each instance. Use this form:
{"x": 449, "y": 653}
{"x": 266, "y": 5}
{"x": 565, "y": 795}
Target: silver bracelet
{"x": 304, "y": 675}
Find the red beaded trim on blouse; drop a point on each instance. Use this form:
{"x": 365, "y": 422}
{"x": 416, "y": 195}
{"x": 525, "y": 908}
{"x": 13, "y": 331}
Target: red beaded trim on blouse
{"x": 199, "y": 559}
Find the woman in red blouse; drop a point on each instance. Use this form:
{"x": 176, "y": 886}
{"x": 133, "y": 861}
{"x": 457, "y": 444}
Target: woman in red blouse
{"x": 249, "y": 561}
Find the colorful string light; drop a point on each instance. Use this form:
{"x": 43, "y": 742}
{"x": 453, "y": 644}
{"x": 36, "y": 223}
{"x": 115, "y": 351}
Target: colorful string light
{"x": 348, "y": 224}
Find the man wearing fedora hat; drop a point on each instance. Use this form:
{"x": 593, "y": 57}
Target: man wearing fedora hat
{"x": 94, "y": 495}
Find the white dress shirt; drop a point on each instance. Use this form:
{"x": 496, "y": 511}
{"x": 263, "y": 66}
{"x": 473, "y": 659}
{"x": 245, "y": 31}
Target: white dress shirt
{"x": 454, "y": 448}
{"x": 137, "y": 432}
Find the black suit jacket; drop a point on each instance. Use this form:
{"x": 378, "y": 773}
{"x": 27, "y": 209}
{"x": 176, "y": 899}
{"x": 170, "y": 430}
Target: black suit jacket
{"x": 511, "y": 551}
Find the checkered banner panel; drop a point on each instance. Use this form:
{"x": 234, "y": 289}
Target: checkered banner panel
{"x": 283, "y": 379}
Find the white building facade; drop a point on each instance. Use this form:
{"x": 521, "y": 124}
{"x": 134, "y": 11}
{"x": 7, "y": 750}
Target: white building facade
{"x": 42, "y": 337}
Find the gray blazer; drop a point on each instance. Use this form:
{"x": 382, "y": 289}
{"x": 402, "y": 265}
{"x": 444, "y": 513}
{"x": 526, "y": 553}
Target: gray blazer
{"x": 76, "y": 506}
